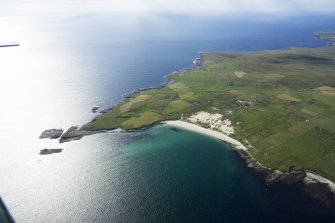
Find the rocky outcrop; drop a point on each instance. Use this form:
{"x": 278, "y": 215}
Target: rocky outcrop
{"x": 253, "y": 164}
{"x": 50, "y": 151}
{"x": 288, "y": 178}
{"x": 51, "y": 134}
{"x": 76, "y": 133}
{"x": 95, "y": 109}
{"x": 73, "y": 133}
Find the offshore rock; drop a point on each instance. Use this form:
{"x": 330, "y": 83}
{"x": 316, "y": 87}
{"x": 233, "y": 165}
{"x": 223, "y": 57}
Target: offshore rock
{"x": 51, "y": 134}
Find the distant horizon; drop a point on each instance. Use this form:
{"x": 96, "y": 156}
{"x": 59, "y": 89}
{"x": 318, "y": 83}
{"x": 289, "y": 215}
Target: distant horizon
{"x": 266, "y": 7}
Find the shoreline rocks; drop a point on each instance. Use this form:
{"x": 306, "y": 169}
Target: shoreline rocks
{"x": 73, "y": 133}
{"x": 319, "y": 190}
{"x": 95, "y": 109}
{"x": 76, "y": 133}
{"x": 51, "y": 134}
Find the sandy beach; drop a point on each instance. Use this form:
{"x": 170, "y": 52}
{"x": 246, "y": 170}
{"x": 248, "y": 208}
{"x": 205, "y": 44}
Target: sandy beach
{"x": 311, "y": 177}
{"x": 192, "y": 127}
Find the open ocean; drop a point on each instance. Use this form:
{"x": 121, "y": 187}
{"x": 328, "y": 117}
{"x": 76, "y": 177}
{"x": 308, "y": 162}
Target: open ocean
{"x": 67, "y": 64}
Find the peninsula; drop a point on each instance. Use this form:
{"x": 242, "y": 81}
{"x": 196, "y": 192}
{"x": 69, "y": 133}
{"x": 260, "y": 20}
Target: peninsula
{"x": 280, "y": 104}
{"x": 328, "y": 35}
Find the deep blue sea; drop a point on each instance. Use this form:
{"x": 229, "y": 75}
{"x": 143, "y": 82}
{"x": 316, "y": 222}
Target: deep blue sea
{"x": 66, "y": 64}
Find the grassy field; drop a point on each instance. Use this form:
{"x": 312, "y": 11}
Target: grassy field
{"x": 282, "y": 102}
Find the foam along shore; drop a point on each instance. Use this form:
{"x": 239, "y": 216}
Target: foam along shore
{"x": 195, "y": 128}
{"x": 314, "y": 178}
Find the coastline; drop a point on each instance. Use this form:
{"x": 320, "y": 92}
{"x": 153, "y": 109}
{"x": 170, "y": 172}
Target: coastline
{"x": 78, "y": 132}
{"x": 197, "y": 63}
{"x": 271, "y": 176}
{"x": 195, "y": 128}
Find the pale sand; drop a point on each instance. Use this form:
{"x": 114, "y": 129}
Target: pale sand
{"x": 240, "y": 74}
{"x": 195, "y": 128}
{"x": 214, "y": 121}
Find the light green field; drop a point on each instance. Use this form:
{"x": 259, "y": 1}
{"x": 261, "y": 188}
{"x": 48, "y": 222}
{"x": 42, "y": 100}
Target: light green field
{"x": 134, "y": 103}
{"x": 177, "y": 106}
{"x": 327, "y": 90}
{"x": 182, "y": 90}
{"x": 290, "y": 118}
{"x": 145, "y": 118}
{"x": 288, "y": 98}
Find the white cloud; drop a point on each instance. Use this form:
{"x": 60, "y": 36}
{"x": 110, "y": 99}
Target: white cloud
{"x": 9, "y": 7}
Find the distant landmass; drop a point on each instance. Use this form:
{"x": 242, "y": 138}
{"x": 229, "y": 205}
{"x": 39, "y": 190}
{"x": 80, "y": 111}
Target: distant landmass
{"x": 328, "y": 35}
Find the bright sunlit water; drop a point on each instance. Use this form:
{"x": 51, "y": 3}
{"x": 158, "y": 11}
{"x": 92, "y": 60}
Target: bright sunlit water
{"x": 66, "y": 64}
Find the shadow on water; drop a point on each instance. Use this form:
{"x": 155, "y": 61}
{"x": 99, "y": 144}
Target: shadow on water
{"x": 5, "y": 216}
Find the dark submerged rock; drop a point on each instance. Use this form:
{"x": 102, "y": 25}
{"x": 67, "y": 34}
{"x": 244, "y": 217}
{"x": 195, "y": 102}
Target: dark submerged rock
{"x": 95, "y": 109}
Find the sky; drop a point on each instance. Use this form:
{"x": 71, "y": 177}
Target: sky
{"x": 22, "y": 7}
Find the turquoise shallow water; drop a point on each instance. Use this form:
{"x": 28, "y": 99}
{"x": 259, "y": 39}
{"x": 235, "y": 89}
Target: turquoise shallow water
{"x": 182, "y": 176}
{"x": 162, "y": 174}
{"x": 66, "y": 64}
{"x": 186, "y": 177}
{"x": 174, "y": 175}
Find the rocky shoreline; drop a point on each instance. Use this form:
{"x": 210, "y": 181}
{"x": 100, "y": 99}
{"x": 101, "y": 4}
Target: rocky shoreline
{"x": 51, "y": 134}
{"x": 197, "y": 65}
{"x": 76, "y": 133}
{"x": 315, "y": 186}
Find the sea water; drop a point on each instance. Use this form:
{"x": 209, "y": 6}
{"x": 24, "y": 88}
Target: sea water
{"x": 66, "y": 64}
